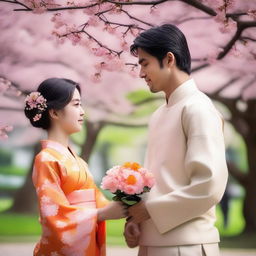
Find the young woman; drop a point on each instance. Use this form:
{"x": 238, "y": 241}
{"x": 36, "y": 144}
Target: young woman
{"x": 72, "y": 209}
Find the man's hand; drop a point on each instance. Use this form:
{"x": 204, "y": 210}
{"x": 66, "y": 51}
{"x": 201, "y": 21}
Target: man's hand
{"x": 132, "y": 234}
{"x": 138, "y": 212}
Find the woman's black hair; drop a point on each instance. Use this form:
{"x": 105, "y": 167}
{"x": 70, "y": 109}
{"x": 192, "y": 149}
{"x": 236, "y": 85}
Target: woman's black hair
{"x": 58, "y": 92}
{"x": 160, "y": 40}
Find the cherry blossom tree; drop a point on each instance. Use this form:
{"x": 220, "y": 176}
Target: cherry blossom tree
{"x": 221, "y": 36}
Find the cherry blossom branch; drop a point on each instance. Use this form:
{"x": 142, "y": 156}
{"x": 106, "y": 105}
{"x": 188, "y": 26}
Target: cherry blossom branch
{"x": 244, "y": 38}
{"x": 247, "y": 85}
{"x": 200, "y": 67}
{"x": 129, "y": 26}
{"x": 241, "y": 26}
{"x": 93, "y": 38}
{"x": 193, "y": 3}
{"x": 134, "y": 18}
{"x": 226, "y": 85}
{"x": 18, "y": 3}
{"x": 191, "y": 18}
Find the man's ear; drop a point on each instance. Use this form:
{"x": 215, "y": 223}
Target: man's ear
{"x": 170, "y": 59}
{"x": 53, "y": 113}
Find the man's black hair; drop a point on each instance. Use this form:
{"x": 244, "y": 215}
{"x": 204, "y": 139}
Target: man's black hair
{"x": 160, "y": 40}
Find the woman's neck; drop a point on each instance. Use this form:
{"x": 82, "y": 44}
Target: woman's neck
{"x": 58, "y": 135}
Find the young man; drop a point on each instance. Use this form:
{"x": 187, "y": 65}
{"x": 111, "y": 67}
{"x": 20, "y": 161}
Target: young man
{"x": 186, "y": 153}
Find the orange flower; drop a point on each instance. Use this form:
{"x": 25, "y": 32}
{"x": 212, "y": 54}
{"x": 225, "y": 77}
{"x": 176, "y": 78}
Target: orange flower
{"x": 134, "y": 166}
{"x": 131, "y": 180}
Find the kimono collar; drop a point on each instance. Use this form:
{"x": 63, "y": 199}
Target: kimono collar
{"x": 181, "y": 92}
{"x": 56, "y": 146}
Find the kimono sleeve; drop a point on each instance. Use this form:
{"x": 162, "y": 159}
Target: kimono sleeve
{"x": 69, "y": 227}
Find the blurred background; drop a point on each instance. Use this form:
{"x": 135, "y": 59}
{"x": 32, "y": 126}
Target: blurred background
{"x": 90, "y": 45}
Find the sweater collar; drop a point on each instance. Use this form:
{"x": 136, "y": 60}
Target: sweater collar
{"x": 185, "y": 89}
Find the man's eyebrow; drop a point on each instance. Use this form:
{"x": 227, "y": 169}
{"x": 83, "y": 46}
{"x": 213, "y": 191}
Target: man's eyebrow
{"x": 141, "y": 60}
{"x": 76, "y": 100}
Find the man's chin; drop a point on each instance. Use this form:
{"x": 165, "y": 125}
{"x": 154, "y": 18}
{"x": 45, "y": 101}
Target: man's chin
{"x": 153, "y": 90}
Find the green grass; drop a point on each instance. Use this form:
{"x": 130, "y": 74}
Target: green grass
{"x": 235, "y": 219}
{"x": 13, "y": 170}
{"x": 5, "y": 203}
{"x": 23, "y": 228}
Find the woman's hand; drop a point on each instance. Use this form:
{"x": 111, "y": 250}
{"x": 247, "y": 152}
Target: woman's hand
{"x": 113, "y": 211}
{"x": 132, "y": 234}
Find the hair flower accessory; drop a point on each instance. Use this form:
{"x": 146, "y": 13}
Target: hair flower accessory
{"x": 36, "y": 101}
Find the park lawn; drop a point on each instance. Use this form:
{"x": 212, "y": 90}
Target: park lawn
{"x": 23, "y": 228}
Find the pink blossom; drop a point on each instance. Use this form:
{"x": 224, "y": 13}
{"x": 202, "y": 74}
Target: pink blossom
{"x": 58, "y": 21}
{"x": 3, "y": 131}
{"x": 93, "y": 21}
{"x": 75, "y": 38}
{"x": 134, "y": 73}
{"x": 100, "y": 66}
{"x": 101, "y": 51}
{"x": 96, "y": 78}
{"x": 110, "y": 183}
{"x": 229, "y": 26}
{"x": 124, "y": 45}
{"x": 37, "y": 117}
{"x": 4, "y": 85}
{"x": 110, "y": 29}
{"x": 39, "y": 10}
{"x": 116, "y": 64}
{"x": 128, "y": 179}
{"x": 235, "y": 52}
{"x": 252, "y": 13}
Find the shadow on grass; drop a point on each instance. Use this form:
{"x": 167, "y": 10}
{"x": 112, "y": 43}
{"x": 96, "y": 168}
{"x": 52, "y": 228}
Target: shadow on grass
{"x": 244, "y": 240}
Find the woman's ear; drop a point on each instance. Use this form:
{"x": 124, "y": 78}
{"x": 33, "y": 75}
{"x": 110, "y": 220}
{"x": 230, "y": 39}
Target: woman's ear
{"x": 53, "y": 113}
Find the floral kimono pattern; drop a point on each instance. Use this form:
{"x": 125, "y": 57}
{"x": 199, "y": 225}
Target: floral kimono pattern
{"x": 68, "y": 200}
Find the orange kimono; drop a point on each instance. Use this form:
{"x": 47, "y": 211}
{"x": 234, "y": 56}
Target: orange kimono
{"x": 68, "y": 201}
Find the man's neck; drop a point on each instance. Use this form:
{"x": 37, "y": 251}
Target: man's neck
{"x": 176, "y": 81}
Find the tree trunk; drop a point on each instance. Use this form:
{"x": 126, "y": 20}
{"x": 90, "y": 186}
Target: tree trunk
{"x": 92, "y": 132}
{"x": 25, "y": 197}
{"x": 249, "y": 207}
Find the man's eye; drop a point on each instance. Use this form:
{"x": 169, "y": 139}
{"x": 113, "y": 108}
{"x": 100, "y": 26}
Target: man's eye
{"x": 145, "y": 65}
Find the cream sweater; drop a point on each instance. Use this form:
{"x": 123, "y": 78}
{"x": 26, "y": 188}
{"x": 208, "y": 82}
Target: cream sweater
{"x": 186, "y": 153}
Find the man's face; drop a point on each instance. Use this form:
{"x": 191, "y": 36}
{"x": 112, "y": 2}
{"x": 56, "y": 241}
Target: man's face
{"x": 154, "y": 75}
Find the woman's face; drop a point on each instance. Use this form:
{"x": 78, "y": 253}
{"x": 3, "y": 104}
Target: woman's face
{"x": 72, "y": 116}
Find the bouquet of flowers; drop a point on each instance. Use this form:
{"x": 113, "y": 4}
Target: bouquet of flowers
{"x": 128, "y": 182}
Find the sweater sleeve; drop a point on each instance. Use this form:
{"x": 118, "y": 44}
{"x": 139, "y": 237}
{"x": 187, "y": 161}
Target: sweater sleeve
{"x": 205, "y": 167}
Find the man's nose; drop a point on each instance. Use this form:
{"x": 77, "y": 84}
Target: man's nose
{"x": 142, "y": 74}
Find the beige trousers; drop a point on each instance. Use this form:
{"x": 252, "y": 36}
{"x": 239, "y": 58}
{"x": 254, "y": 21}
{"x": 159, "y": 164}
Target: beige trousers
{"x": 184, "y": 250}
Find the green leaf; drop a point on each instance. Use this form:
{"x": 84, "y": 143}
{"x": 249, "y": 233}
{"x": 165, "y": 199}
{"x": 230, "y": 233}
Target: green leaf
{"x": 128, "y": 202}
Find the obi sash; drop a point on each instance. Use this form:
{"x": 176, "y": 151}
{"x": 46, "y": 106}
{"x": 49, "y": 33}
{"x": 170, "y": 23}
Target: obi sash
{"x": 87, "y": 198}
{"x": 83, "y": 197}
